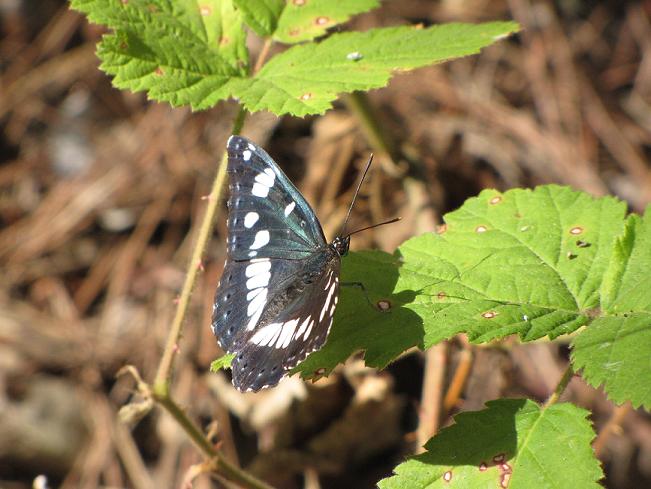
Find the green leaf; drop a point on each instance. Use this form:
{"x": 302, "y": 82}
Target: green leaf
{"x": 361, "y": 326}
{"x": 182, "y": 52}
{"x": 525, "y": 262}
{"x": 261, "y": 15}
{"x": 222, "y": 362}
{"x": 616, "y": 351}
{"x": 299, "y": 20}
{"x": 522, "y": 262}
{"x": 305, "y": 79}
{"x": 513, "y": 443}
{"x": 303, "y": 20}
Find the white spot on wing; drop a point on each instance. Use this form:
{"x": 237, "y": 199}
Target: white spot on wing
{"x": 260, "y": 190}
{"x": 309, "y": 330}
{"x": 266, "y": 178}
{"x": 263, "y": 182}
{"x": 289, "y": 208}
{"x": 246, "y": 154}
{"x": 327, "y": 301}
{"x": 258, "y": 272}
{"x": 286, "y": 336}
{"x": 261, "y": 239}
{"x": 303, "y": 327}
{"x": 257, "y": 303}
{"x": 250, "y": 219}
{"x": 266, "y": 334}
{"x": 254, "y": 319}
{"x": 257, "y": 267}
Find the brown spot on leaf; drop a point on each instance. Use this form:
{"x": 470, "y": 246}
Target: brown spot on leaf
{"x": 306, "y": 96}
{"x": 441, "y": 229}
{"x": 489, "y": 315}
{"x": 224, "y": 41}
{"x": 481, "y": 229}
{"x": 441, "y": 295}
{"x": 299, "y": 3}
{"x": 447, "y": 477}
{"x": 294, "y": 32}
{"x": 323, "y": 20}
{"x": 205, "y": 10}
{"x": 159, "y": 71}
{"x": 495, "y": 200}
{"x": 576, "y": 230}
{"x": 384, "y": 305}
{"x": 152, "y": 8}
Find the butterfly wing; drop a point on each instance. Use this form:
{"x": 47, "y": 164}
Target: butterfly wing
{"x": 267, "y": 215}
{"x": 273, "y": 237}
{"x": 302, "y": 327}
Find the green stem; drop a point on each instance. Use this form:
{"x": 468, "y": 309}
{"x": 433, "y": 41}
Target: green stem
{"x": 560, "y": 387}
{"x": 162, "y": 380}
{"x": 359, "y": 104}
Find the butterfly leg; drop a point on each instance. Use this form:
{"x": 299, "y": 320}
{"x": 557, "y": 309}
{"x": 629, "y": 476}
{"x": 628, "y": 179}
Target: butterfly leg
{"x": 360, "y": 285}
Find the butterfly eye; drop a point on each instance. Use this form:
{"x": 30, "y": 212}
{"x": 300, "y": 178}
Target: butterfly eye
{"x": 302, "y": 224}
{"x": 230, "y": 276}
{"x": 228, "y": 295}
{"x": 227, "y": 313}
{"x": 231, "y": 329}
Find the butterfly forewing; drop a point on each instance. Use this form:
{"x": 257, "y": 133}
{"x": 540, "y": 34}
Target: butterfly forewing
{"x": 267, "y": 216}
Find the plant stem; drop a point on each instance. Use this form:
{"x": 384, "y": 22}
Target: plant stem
{"x": 220, "y": 464}
{"x": 560, "y": 387}
{"x": 378, "y": 139}
{"x": 161, "y": 382}
{"x": 264, "y": 52}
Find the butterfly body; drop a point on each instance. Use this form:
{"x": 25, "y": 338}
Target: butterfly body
{"x": 279, "y": 289}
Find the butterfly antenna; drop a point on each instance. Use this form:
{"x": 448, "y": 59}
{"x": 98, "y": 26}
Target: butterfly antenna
{"x": 368, "y": 165}
{"x": 395, "y": 219}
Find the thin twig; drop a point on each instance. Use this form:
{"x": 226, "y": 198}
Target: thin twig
{"x": 560, "y": 387}
{"x": 161, "y": 383}
{"x": 262, "y": 57}
{"x": 219, "y": 463}
{"x": 430, "y": 402}
{"x": 459, "y": 378}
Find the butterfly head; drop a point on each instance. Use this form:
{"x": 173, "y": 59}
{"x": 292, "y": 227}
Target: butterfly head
{"x": 341, "y": 245}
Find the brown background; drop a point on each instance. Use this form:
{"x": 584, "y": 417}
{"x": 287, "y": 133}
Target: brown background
{"x": 101, "y": 191}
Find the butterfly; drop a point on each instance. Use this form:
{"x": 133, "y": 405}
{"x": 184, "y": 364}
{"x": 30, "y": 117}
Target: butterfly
{"x": 278, "y": 292}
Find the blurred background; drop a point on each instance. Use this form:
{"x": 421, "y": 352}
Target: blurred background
{"x": 101, "y": 192}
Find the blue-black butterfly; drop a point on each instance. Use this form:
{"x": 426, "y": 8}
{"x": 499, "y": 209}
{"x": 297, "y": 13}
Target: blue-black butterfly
{"x": 277, "y": 296}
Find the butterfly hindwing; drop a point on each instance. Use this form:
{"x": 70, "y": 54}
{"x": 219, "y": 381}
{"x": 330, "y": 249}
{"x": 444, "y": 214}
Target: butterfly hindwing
{"x": 268, "y": 217}
{"x": 302, "y": 327}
